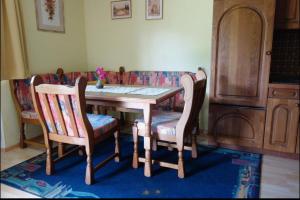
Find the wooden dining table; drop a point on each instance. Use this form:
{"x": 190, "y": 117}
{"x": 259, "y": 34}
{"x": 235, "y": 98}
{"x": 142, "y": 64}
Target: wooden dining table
{"x": 133, "y": 97}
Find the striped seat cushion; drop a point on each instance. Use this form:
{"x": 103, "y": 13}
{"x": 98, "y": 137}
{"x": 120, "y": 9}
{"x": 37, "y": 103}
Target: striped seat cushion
{"x": 162, "y": 122}
{"x": 102, "y": 123}
{"x": 29, "y": 114}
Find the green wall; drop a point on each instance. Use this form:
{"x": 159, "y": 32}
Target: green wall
{"x": 181, "y": 41}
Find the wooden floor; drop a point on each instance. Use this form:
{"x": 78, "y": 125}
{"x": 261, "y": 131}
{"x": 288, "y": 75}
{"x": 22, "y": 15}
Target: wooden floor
{"x": 280, "y": 176}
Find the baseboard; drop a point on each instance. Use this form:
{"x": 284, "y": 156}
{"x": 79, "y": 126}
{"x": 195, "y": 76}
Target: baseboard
{"x": 34, "y": 139}
{"x": 6, "y": 149}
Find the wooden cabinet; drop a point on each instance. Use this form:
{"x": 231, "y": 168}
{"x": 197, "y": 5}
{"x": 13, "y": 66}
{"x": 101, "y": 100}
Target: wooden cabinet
{"x": 241, "y": 49}
{"x": 287, "y": 14}
{"x": 239, "y": 126}
{"x": 281, "y": 125}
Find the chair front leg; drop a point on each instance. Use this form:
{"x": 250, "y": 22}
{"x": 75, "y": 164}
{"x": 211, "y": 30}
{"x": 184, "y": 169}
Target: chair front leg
{"x": 135, "y": 160}
{"x": 89, "y": 173}
{"x": 180, "y": 164}
{"x": 49, "y": 161}
{"x": 117, "y": 146}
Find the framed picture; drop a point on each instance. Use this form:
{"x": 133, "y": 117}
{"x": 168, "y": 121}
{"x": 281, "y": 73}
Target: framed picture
{"x": 50, "y": 15}
{"x": 121, "y": 9}
{"x": 154, "y": 9}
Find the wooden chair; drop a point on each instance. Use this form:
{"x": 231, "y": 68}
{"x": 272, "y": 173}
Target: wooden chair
{"x": 25, "y": 117}
{"x": 61, "y": 112}
{"x": 175, "y": 127}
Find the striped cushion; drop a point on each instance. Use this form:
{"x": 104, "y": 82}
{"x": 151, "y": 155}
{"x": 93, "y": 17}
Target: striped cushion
{"x": 101, "y": 123}
{"x": 162, "y": 122}
{"x": 143, "y": 78}
{"x": 29, "y": 114}
{"x": 23, "y": 94}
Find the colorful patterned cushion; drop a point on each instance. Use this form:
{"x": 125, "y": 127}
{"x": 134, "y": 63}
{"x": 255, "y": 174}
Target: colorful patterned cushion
{"x": 125, "y": 76}
{"x": 100, "y": 123}
{"x": 29, "y": 114}
{"x": 45, "y": 78}
{"x": 68, "y": 78}
{"x": 143, "y": 78}
{"x": 92, "y": 76}
{"x": 162, "y": 122}
{"x": 54, "y": 79}
{"x": 77, "y": 74}
{"x": 23, "y": 93}
{"x": 112, "y": 77}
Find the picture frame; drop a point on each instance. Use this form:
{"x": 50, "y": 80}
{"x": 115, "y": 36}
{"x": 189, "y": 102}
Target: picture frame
{"x": 121, "y": 9}
{"x": 50, "y": 15}
{"x": 154, "y": 9}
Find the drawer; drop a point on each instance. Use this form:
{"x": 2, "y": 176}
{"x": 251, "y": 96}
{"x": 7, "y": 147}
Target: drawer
{"x": 284, "y": 91}
{"x": 239, "y": 126}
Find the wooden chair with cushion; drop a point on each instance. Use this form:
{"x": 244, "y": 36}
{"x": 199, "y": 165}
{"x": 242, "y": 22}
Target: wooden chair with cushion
{"x": 61, "y": 112}
{"x": 26, "y": 114}
{"x": 175, "y": 127}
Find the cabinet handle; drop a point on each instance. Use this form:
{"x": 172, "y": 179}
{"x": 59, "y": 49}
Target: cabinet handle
{"x": 269, "y": 53}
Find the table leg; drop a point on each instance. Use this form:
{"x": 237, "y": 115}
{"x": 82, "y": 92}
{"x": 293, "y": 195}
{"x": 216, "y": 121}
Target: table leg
{"x": 147, "y": 140}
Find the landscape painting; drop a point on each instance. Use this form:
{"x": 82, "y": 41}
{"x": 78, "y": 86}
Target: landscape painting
{"x": 121, "y": 9}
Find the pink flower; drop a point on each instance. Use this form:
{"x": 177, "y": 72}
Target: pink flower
{"x": 101, "y": 73}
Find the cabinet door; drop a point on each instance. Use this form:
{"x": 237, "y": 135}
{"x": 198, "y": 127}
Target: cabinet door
{"x": 239, "y": 126}
{"x": 241, "y": 48}
{"x": 281, "y": 125}
{"x": 287, "y": 14}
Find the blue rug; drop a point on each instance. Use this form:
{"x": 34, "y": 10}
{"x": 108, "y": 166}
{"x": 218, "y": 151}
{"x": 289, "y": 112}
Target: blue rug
{"x": 216, "y": 173}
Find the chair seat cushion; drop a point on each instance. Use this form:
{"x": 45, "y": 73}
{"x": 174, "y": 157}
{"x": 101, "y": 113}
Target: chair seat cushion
{"x": 162, "y": 122}
{"x": 102, "y": 123}
{"x": 29, "y": 114}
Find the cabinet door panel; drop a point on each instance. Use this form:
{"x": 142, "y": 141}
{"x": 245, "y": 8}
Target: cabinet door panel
{"x": 287, "y": 14}
{"x": 237, "y": 125}
{"x": 242, "y": 34}
{"x": 281, "y": 125}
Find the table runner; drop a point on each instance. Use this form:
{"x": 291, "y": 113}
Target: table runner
{"x": 150, "y": 91}
{"x": 127, "y": 90}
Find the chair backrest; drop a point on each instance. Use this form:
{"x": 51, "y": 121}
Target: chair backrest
{"x": 194, "y": 93}
{"x": 61, "y": 110}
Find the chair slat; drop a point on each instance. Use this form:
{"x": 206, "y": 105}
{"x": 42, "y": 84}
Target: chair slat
{"x": 71, "y": 114}
{"x": 60, "y": 116}
{"x": 44, "y": 98}
{"x": 55, "y": 89}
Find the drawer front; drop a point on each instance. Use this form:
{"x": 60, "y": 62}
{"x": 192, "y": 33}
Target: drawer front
{"x": 239, "y": 126}
{"x": 284, "y": 93}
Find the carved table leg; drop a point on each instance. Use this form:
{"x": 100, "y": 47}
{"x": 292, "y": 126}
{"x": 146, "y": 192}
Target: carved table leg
{"x": 147, "y": 140}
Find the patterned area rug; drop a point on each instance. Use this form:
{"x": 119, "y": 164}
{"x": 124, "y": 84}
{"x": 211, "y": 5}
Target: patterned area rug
{"x": 216, "y": 173}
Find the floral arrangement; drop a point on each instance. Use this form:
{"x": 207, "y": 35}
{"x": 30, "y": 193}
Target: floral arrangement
{"x": 50, "y": 8}
{"x": 101, "y": 73}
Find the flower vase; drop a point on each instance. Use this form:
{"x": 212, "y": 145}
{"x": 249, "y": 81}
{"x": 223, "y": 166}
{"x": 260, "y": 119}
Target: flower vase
{"x": 99, "y": 84}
